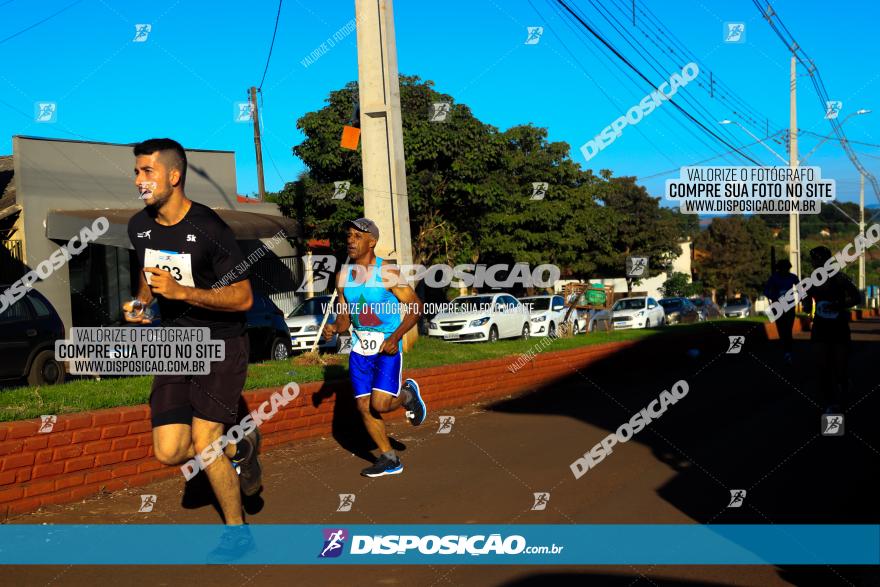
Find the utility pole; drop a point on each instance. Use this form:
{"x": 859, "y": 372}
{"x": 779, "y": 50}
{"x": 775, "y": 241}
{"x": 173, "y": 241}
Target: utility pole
{"x": 384, "y": 171}
{"x": 862, "y": 233}
{"x": 794, "y": 225}
{"x": 257, "y": 144}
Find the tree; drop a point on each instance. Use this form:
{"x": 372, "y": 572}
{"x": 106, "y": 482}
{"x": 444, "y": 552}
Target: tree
{"x": 679, "y": 285}
{"x": 639, "y": 227}
{"x": 469, "y": 186}
{"x": 735, "y": 253}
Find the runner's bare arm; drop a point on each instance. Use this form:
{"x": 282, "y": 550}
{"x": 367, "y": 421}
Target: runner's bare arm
{"x": 343, "y": 320}
{"x": 236, "y": 297}
{"x": 144, "y": 295}
{"x": 412, "y": 311}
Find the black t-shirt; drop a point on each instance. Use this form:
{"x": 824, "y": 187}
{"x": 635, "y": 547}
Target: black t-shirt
{"x": 199, "y": 251}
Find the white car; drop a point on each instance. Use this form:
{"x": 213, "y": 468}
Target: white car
{"x": 303, "y": 324}
{"x": 482, "y": 317}
{"x": 637, "y": 313}
{"x": 548, "y": 312}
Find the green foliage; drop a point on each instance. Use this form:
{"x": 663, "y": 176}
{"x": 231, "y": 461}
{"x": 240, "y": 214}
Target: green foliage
{"x": 680, "y": 285}
{"x": 736, "y": 255}
{"x": 638, "y": 227}
{"x": 469, "y": 187}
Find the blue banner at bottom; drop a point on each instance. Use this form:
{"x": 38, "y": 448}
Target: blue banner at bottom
{"x": 525, "y": 544}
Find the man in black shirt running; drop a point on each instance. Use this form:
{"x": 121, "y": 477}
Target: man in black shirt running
{"x": 185, "y": 250}
{"x": 829, "y": 334}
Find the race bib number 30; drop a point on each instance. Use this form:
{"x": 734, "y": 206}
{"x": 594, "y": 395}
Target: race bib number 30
{"x": 179, "y": 265}
{"x": 368, "y": 342}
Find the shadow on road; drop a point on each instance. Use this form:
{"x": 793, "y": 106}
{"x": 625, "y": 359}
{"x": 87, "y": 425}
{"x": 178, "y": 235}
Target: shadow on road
{"x": 749, "y": 421}
{"x": 347, "y": 427}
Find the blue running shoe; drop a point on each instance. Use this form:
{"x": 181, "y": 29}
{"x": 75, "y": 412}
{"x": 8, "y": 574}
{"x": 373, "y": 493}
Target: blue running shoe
{"x": 383, "y": 466}
{"x": 235, "y": 542}
{"x": 416, "y": 411}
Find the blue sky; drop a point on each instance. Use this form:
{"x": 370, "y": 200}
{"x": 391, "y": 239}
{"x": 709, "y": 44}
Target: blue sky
{"x": 196, "y": 63}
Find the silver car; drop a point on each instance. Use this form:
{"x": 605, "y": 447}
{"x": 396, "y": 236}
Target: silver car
{"x": 304, "y": 322}
{"x": 737, "y": 308}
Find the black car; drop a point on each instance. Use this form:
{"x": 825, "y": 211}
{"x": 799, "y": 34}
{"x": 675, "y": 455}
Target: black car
{"x": 28, "y": 331}
{"x": 680, "y": 311}
{"x": 266, "y": 328}
{"x": 270, "y": 338}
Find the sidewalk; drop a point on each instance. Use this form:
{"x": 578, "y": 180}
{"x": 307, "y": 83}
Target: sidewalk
{"x": 748, "y": 422}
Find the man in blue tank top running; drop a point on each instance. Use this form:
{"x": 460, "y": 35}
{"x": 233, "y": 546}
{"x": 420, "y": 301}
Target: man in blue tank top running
{"x": 371, "y": 299}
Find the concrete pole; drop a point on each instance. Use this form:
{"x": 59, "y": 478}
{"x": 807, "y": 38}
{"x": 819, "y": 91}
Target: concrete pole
{"x": 384, "y": 172}
{"x": 258, "y": 147}
{"x": 310, "y": 276}
{"x": 794, "y": 225}
{"x": 862, "y": 233}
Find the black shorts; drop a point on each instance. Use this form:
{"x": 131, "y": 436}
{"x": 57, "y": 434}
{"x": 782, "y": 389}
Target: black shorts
{"x": 176, "y": 399}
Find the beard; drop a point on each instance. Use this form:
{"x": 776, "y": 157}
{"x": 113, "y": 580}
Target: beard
{"x": 159, "y": 200}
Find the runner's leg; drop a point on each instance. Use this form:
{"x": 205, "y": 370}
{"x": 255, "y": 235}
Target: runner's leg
{"x": 172, "y": 444}
{"x": 222, "y": 476}
{"x": 171, "y": 416}
{"x": 373, "y": 422}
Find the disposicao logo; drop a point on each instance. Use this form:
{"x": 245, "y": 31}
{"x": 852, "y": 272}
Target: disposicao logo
{"x": 334, "y": 542}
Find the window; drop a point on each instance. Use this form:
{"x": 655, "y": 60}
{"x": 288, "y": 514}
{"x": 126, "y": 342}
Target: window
{"x": 39, "y": 306}
{"x": 15, "y": 312}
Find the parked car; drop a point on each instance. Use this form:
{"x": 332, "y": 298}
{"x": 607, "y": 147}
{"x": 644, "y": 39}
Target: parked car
{"x": 680, "y": 311}
{"x": 707, "y": 308}
{"x": 482, "y": 317}
{"x": 305, "y": 321}
{"x": 268, "y": 332}
{"x": 549, "y": 312}
{"x": 740, "y": 307}
{"x": 641, "y": 312}
{"x": 28, "y": 331}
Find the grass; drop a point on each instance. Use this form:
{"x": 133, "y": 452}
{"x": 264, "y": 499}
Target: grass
{"x": 88, "y": 394}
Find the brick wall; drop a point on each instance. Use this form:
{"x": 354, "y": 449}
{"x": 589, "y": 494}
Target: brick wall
{"x": 106, "y": 450}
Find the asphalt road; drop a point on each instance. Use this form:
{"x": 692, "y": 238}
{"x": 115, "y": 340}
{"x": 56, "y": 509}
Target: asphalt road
{"x": 748, "y": 422}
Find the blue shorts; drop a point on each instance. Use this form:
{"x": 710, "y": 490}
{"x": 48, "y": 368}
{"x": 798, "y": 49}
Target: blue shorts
{"x": 379, "y": 371}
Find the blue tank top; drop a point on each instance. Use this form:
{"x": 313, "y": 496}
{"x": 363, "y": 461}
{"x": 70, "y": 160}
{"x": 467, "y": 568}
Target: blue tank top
{"x": 370, "y": 305}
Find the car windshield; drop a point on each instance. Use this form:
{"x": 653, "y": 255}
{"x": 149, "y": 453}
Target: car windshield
{"x": 739, "y": 302}
{"x": 631, "y": 304}
{"x": 670, "y": 304}
{"x": 472, "y": 304}
{"x": 537, "y": 303}
{"x": 311, "y": 307}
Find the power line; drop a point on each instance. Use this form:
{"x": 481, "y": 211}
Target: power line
{"x": 772, "y": 18}
{"x": 648, "y": 57}
{"x": 830, "y": 138}
{"x": 271, "y": 45}
{"x": 566, "y": 17}
{"x": 638, "y": 72}
{"x": 36, "y": 24}
{"x": 669, "y": 43}
{"x": 712, "y": 158}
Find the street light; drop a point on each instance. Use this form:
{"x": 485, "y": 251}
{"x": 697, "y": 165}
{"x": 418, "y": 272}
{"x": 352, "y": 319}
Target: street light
{"x": 726, "y": 121}
{"x": 851, "y": 114}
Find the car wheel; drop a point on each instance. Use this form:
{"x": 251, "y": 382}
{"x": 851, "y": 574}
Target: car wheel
{"x": 648, "y": 323}
{"x": 493, "y": 333}
{"x": 663, "y": 321}
{"x": 526, "y": 331}
{"x": 45, "y": 370}
{"x": 278, "y": 351}
{"x": 551, "y": 330}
